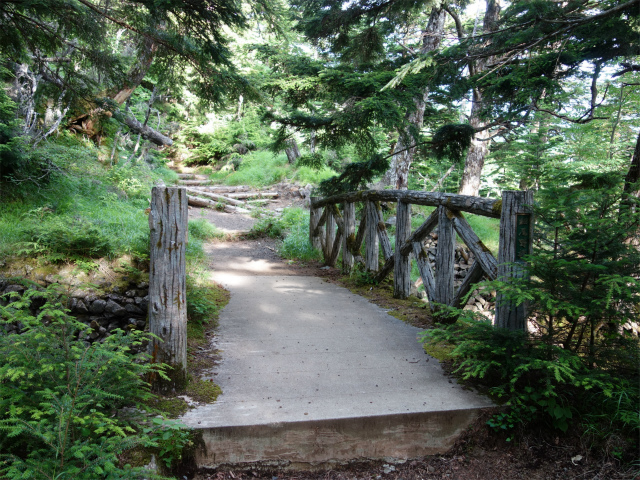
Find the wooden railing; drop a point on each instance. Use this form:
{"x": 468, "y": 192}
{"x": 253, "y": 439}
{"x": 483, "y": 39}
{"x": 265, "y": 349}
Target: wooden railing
{"x": 332, "y": 230}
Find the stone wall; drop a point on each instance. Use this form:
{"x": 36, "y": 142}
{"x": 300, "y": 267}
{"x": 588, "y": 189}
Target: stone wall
{"x": 123, "y": 307}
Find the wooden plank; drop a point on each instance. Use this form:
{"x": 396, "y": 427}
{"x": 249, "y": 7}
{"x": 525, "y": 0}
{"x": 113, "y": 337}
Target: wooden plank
{"x": 168, "y": 219}
{"x": 321, "y": 222}
{"x": 216, "y": 197}
{"x": 474, "y": 275}
{"x": 421, "y": 232}
{"x": 426, "y": 272}
{"x": 314, "y": 219}
{"x": 483, "y": 255}
{"x": 329, "y": 235}
{"x": 516, "y": 240}
{"x": 372, "y": 247}
{"x": 402, "y": 268}
{"x": 382, "y": 234}
{"x": 386, "y": 269}
{"x": 445, "y": 258}
{"x": 335, "y": 250}
{"x": 362, "y": 228}
{"x": 478, "y": 205}
{"x": 348, "y": 237}
{"x": 337, "y": 217}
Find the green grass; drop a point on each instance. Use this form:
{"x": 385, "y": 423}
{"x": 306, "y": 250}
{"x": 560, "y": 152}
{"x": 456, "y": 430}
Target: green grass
{"x": 87, "y": 209}
{"x": 263, "y": 168}
{"x": 203, "y": 230}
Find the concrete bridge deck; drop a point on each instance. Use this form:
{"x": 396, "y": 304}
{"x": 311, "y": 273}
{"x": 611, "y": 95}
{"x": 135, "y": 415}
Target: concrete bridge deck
{"x": 312, "y": 374}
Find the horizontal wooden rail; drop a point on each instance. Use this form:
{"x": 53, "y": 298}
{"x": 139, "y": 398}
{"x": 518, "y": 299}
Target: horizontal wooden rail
{"x": 464, "y": 203}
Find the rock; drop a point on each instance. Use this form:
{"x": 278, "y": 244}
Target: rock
{"x": 97, "y": 306}
{"x": 14, "y": 288}
{"x": 114, "y": 308}
{"x": 390, "y": 222}
{"x": 115, "y": 297}
{"x": 141, "y": 324}
{"x": 80, "y": 307}
{"x": 130, "y": 293}
{"x": 143, "y": 285}
{"x": 130, "y": 308}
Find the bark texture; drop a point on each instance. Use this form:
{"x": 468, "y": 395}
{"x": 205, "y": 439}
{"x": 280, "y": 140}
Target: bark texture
{"x": 514, "y": 205}
{"x": 372, "y": 247}
{"x": 349, "y": 236}
{"x": 445, "y": 258}
{"x": 402, "y": 271}
{"x": 167, "y": 284}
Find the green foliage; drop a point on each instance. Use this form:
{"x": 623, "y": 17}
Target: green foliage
{"x": 258, "y": 169}
{"x": 538, "y": 382}
{"x": 577, "y": 364}
{"x": 170, "y": 438}
{"x": 69, "y": 237}
{"x": 204, "y": 230}
{"x": 203, "y": 301}
{"x": 84, "y": 209}
{"x": 61, "y": 398}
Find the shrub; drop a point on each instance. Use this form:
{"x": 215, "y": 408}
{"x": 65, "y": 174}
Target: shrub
{"x": 62, "y": 398}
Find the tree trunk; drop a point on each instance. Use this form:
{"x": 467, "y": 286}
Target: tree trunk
{"x": 293, "y": 153}
{"x": 470, "y": 182}
{"x": 167, "y": 285}
{"x": 398, "y": 173}
{"x": 137, "y": 72}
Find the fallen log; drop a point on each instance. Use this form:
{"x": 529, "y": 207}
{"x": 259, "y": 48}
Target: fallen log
{"x": 147, "y": 132}
{"x": 253, "y": 194}
{"x": 221, "y": 189}
{"x": 219, "y": 198}
{"x": 201, "y": 202}
{"x": 261, "y": 200}
{"x": 189, "y": 183}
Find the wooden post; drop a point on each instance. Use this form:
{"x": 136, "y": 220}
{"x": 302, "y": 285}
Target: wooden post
{"x": 168, "y": 220}
{"x": 371, "y": 239}
{"x": 314, "y": 218}
{"x": 516, "y": 241}
{"x": 402, "y": 270}
{"x": 445, "y": 257}
{"x": 329, "y": 234}
{"x": 349, "y": 237}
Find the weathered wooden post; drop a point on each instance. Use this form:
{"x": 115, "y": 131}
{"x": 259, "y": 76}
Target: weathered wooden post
{"x": 314, "y": 218}
{"x": 329, "y": 234}
{"x": 372, "y": 248}
{"x": 402, "y": 268}
{"x": 349, "y": 237}
{"x": 168, "y": 220}
{"x": 516, "y": 241}
{"x": 445, "y": 258}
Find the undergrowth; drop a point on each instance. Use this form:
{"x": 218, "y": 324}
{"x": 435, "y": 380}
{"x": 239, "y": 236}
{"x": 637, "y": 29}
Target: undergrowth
{"x": 292, "y": 227}
{"x": 69, "y": 408}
